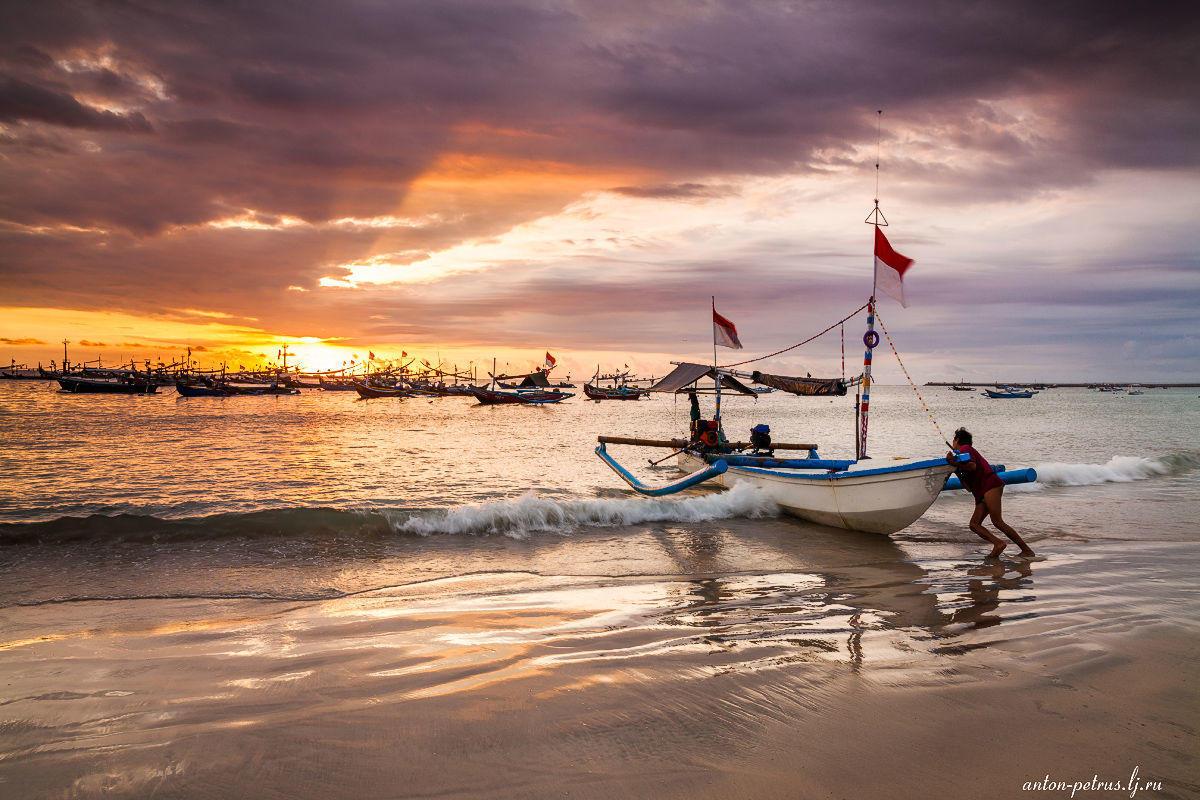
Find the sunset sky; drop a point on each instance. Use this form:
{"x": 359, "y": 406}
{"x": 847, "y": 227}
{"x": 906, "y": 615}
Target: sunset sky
{"x": 495, "y": 179}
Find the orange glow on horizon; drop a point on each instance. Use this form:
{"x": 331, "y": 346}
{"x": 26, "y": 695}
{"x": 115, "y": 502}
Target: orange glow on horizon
{"x": 33, "y": 336}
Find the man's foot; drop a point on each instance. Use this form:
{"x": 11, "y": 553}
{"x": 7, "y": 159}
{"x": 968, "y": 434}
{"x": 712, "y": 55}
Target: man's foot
{"x": 997, "y": 550}
{"x": 1027, "y": 553}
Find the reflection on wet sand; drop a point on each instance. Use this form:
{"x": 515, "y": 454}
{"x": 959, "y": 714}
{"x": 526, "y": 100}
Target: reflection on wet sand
{"x": 984, "y": 585}
{"x": 861, "y": 598}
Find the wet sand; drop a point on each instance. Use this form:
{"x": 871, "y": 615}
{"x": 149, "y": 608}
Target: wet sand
{"x": 921, "y": 671}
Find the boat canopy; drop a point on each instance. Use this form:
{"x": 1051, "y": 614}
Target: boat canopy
{"x": 532, "y": 379}
{"x": 803, "y": 386}
{"x": 685, "y": 375}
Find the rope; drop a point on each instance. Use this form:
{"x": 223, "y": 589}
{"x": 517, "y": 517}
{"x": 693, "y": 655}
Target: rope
{"x": 843, "y": 324}
{"x": 806, "y": 341}
{"x": 910, "y": 380}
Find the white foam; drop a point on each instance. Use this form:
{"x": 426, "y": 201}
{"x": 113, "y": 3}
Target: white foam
{"x": 530, "y": 513}
{"x": 1119, "y": 469}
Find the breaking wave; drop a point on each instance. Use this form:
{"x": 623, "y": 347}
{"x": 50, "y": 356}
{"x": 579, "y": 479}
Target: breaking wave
{"x": 1119, "y": 469}
{"x": 531, "y": 513}
{"x": 515, "y": 518}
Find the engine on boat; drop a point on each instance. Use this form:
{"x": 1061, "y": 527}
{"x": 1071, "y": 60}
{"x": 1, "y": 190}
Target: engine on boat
{"x": 760, "y": 439}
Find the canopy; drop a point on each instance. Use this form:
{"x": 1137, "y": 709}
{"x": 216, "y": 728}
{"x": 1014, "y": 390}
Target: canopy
{"x": 804, "y": 386}
{"x": 685, "y": 375}
{"x": 532, "y": 379}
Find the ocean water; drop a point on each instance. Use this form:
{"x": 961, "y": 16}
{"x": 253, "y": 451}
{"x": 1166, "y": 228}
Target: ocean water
{"x": 306, "y": 482}
{"x": 186, "y": 583}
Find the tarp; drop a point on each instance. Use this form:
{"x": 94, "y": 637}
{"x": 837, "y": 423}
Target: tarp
{"x": 536, "y": 379}
{"x": 531, "y": 379}
{"x": 803, "y": 386}
{"x": 685, "y": 375}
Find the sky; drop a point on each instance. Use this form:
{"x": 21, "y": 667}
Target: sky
{"x": 469, "y": 181}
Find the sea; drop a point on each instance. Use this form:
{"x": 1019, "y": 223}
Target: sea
{"x": 323, "y": 596}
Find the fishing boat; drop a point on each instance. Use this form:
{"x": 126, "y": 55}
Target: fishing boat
{"x": 621, "y": 387}
{"x": 124, "y": 385}
{"x": 367, "y": 392}
{"x": 1008, "y": 394}
{"x": 857, "y": 494}
{"x": 217, "y": 388}
{"x": 492, "y": 397}
{"x": 330, "y": 385}
{"x": 532, "y": 389}
{"x": 201, "y": 389}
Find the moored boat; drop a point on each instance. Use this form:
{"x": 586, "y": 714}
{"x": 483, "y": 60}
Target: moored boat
{"x": 76, "y": 385}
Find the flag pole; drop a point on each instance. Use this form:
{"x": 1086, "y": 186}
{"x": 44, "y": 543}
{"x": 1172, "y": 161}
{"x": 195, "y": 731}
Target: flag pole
{"x": 870, "y": 338}
{"x": 716, "y": 375}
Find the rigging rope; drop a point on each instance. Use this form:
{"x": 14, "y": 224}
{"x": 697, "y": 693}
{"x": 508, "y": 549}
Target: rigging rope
{"x": 843, "y": 324}
{"x": 806, "y": 341}
{"x": 883, "y": 328}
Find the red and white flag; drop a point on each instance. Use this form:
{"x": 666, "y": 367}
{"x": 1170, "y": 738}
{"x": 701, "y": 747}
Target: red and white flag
{"x": 890, "y": 267}
{"x": 550, "y": 360}
{"x": 724, "y": 333}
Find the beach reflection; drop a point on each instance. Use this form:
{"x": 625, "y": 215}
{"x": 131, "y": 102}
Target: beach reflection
{"x": 984, "y": 587}
{"x": 863, "y": 601}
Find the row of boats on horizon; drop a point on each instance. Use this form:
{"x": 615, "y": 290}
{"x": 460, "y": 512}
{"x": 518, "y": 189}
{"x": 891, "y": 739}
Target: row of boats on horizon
{"x": 532, "y": 387}
{"x": 384, "y": 381}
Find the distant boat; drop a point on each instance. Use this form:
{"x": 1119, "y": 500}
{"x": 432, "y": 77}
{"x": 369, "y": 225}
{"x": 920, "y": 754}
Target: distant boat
{"x": 336, "y": 386}
{"x": 1007, "y": 394}
{"x": 367, "y": 392}
{"x": 534, "y": 389}
{"x": 216, "y": 388}
{"x": 619, "y": 390}
{"x": 493, "y": 397}
{"x": 99, "y": 386}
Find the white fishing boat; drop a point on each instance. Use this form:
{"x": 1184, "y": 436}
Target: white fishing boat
{"x": 860, "y": 494}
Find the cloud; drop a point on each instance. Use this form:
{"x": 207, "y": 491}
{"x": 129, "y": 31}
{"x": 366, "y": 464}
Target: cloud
{"x": 587, "y": 161}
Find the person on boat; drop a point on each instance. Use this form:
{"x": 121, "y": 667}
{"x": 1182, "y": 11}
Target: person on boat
{"x": 978, "y": 476}
{"x": 695, "y": 411}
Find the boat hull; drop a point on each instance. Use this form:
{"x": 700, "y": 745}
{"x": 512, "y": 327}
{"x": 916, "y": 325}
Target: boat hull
{"x": 1008, "y": 395}
{"x": 488, "y": 397}
{"x": 597, "y": 393}
{"x": 369, "y": 392}
{"x": 87, "y": 386}
{"x": 883, "y": 500}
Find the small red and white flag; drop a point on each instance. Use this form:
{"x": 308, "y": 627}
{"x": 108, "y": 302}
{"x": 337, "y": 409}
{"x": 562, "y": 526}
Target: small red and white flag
{"x": 370, "y": 355}
{"x": 890, "y": 267}
{"x": 724, "y": 333}
{"x": 550, "y": 360}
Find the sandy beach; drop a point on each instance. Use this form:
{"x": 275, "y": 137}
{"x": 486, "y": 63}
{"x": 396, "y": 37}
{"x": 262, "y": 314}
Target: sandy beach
{"x": 862, "y": 670}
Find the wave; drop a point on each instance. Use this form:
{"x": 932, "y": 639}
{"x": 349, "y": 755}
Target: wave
{"x": 1119, "y": 469}
{"x": 531, "y": 513}
{"x": 518, "y": 518}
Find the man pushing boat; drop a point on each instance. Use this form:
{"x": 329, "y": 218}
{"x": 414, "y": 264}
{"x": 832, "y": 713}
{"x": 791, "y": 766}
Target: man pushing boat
{"x": 978, "y": 476}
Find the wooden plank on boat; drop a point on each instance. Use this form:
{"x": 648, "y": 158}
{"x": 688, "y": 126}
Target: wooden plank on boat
{"x": 678, "y": 443}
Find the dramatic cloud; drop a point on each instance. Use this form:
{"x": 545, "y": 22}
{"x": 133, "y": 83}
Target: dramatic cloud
{"x": 495, "y": 174}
